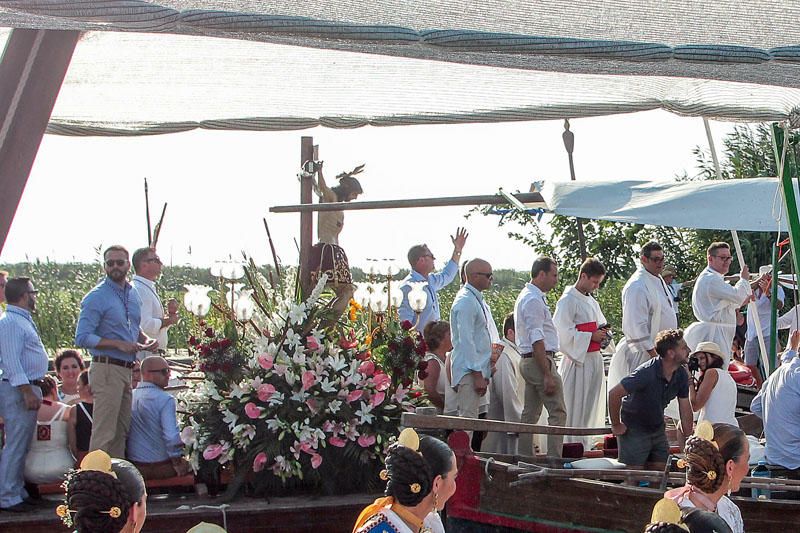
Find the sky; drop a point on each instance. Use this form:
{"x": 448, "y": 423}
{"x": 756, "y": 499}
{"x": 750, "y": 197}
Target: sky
{"x": 87, "y": 193}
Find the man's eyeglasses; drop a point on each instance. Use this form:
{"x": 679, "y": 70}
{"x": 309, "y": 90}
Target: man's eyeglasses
{"x": 725, "y": 258}
{"x": 657, "y": 259}
{"x": 154, "y": 260}
{"x": 32, "y": 292}
{"x": 162, "y": 371}
{"x": 488, "y": 275}
{"x": 117, "y": 262}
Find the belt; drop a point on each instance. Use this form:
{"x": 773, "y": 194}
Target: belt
{"x": 112, "y": 361}
{"x": 37, "y": 382}
{"x": 530, "y": 354}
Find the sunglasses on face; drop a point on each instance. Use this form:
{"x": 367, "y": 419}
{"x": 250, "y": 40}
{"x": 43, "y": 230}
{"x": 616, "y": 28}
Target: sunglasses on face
{"x": 488, "y": 275}
{"x": 657, "y": 259}
{"x": 162, "y": 371}
{"x": 117, "y": 262}
{"x": 153, "y": 260}
{"x": 725, "y": 258}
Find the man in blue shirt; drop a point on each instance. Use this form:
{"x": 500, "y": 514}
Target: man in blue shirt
{"x": 109, "y": 327}
{"x": 422, "y": 265}
{"x": 23, "y": 364}
{"x": 778, "y": 405}
{"x": 154, "y": 442}
{"x": 472, "y": 346}
{"x": 647, "y": 392}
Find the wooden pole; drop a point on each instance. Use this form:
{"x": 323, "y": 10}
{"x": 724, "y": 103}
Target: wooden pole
{"x": 306, "y": 217}
{"x": 414, "y": 420}
{"x": 32, "y": 70}
{"x": 569, "y": 144}
{"x": 446, "y": 201}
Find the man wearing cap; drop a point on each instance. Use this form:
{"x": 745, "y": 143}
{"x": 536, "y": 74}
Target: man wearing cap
{"x": 763, "y": 296}
{"x": 714, "y": 392}
{"x": 422, "y": 265}
{"x": 108, "y": 326}
{"x": 23, "y": 364}
{"x": 647, "y": 308}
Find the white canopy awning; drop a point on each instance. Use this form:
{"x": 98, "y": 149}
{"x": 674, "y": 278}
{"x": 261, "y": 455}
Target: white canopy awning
{"x": 741, "y": 204}
{"x": 173, "y": 65}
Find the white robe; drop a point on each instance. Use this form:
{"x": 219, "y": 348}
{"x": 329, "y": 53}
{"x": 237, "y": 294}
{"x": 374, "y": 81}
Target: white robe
{"x": 581, "y": 371}
{"x": 506, "y": 392}
{"x": 714, "y": 302}
{"x": 647, "y": 308}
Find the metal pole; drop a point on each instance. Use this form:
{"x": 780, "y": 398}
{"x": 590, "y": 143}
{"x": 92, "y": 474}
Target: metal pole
{"x": 445, "y": 201}
{"x": 569, "y": 144}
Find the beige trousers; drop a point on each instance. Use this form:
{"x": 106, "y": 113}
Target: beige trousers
{"x": 535, "y": 399}
{"x": 111, "y": 386}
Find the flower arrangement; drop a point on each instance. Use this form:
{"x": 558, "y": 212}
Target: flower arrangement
{"x": 288, "y": 401}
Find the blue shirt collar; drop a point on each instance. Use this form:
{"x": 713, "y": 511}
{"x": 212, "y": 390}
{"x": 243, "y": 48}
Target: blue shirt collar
{"x": 111, "y": 283}
{"x": 416, "y": 276}
{"x": 18, "y": 310}
{"x": 474, "y": 291}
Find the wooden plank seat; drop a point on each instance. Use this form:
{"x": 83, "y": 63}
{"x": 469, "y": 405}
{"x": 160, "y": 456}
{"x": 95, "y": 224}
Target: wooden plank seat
{"x": 188, "y": 481}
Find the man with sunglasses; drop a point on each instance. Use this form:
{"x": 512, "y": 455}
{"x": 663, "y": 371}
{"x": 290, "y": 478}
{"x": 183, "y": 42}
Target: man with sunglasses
{"x": 155, "y": 322}
{"x": 154, "y": 442}
{"x": 108, "y": 326}
{"x": 715, "y": 301}
{"x": 647, "y": 308}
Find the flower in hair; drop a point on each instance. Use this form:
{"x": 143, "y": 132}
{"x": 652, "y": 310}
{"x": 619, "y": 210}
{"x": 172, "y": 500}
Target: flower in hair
{"x": 114, "y": 512}
{"x": 384, "y": 475}
{"x": 415, "y": 488}
{"x": 682, "y": 464}
{"x": 64, "y": 513}
{"x": 711, "y": 475}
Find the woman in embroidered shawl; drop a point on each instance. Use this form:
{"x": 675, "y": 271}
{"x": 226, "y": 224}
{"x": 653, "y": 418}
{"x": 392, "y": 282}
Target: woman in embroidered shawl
{"x": 420, "y": 477}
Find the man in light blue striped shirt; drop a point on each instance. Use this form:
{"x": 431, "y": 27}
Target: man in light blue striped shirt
{"x": 472, "y": 346}
{"x": 23, "y": 364}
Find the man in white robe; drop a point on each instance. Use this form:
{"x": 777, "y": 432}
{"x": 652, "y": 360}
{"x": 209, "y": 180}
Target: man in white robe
{"x": 647, "y": 308}
{"x": 715, "y": 301}
{"x": 580, "y": 326}
{"x": 505, "y": 394}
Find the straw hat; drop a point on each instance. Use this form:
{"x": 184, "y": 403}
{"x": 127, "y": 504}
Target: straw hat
{"x": 712, "y": 348}
{"x": 205, "y": 527}
{"x": 669, "y": 270}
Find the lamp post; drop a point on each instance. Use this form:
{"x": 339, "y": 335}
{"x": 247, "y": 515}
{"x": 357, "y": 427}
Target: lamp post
{"x": 196, "y": 300}
{"x": 229, "y": 271}
{"x": 417, "y": 298}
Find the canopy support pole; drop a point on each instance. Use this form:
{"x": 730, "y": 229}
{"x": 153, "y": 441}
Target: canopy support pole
{"x": 32, "y": 70}
{"x": 773, "y": 325}
{"x": 569, "y": 144}
{"x": 751, "y": 306}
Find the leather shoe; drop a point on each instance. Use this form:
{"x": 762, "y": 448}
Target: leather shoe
{"x": 21, "y": 507}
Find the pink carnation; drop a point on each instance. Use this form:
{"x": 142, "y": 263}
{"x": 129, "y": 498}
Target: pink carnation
{"x": 259, "y": 462}
{"x": 316, "y": 460}
{"x": 365, "y": 441}
{"x": 212, "y": 451}
{"x": 337, "y": 441}
{"x": 308, "y": 379}
{"x": 312, "y": 343}
{"x": 381, "y": 381}
{"x": 354, "y": 395}
{"x": 252, "y": 410}
{"x": 377, "y": 399}
{"x": 265, "y": 361}
{"x": 367, "y": 368}
{"x": 265, "y": 392}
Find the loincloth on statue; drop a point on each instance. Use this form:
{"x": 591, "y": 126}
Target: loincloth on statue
{"x": 329, "y": 259}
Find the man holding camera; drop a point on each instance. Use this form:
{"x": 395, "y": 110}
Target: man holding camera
{"x": 582, "y": 332}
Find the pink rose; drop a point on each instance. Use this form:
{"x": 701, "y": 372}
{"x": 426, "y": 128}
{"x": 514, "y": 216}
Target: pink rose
{"x": 377, "y": 399}
{"x": 265, "y": 392}
{"x": 212, "y": 451}
{"x": 337, "y": 441}
{"x": 316, "y": 460}
{"x": 365, "y": 441}
{"x": 259, "y": 462}
{"x": 381, "y": 381}
{"x": 367, "y": 368}
{"x": 265, "y": 361}
{"x": 252, "y": 410}
{"x": 355, "y": 395}
{"x": 308, "y": 379}
{"x": 312, "y": 343}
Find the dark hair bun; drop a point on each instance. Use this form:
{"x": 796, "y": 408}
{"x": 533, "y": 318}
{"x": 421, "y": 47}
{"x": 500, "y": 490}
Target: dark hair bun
{"x": 407, "y": 468}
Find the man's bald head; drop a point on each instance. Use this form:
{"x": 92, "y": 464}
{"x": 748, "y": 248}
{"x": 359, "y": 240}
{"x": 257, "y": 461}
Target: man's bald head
{"x": 155, "y": 369}
{"x": 479, "y": 274}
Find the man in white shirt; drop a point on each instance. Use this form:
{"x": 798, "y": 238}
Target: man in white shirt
{"x": 537, "y": 342}
{"x": 582, "y": 329}
{"x": 714, "y": 301}
{"x": 647, "y": 308}
{"x": 505, "y": 393}
{"x": 763, "y": 296}
{"x": 155, "y": 322}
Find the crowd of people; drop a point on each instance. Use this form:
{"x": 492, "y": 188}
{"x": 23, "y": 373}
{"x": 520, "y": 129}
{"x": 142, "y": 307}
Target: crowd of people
{"x": 118, "y": 405}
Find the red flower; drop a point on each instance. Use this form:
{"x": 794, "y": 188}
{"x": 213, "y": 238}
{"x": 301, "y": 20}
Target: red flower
{"x": 363, "y": 356}
{"x": 421, "y": 348}
{"x": 209, "y": 332}
{"x": 422, "y": 365}
{"x": 224, "y": 343}
{"x": 406, "y": 325}
{"x": 204, "y": 351}
{"x": 193, "y": 341}
{"x": 393, "y": 346}
{"x": 422, "y": 374}
{"x": 408, "y": 343}
{"x": 202, "y": 323}
{"x": 406, "y": 383}
{"x": 214, "y": 345}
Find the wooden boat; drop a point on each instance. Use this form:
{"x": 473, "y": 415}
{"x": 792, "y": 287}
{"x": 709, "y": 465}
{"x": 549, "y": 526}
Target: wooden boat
{"x": 506, "y": 493}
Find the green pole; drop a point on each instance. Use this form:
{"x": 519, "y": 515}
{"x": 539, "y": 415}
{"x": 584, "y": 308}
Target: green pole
{"x": 773, "y": 324}
{"x": 789, "y": 202}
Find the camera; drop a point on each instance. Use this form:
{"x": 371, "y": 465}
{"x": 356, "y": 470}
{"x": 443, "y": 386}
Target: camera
{"x": 693, "y": 364}
{"x": 607, "y": 340}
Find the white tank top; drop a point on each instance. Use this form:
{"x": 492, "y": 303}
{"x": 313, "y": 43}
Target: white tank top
{"x": 721, "y": 405}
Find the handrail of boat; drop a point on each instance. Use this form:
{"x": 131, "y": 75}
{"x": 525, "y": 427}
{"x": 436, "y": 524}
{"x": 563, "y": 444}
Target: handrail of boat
{"x": 455, "y": 423}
